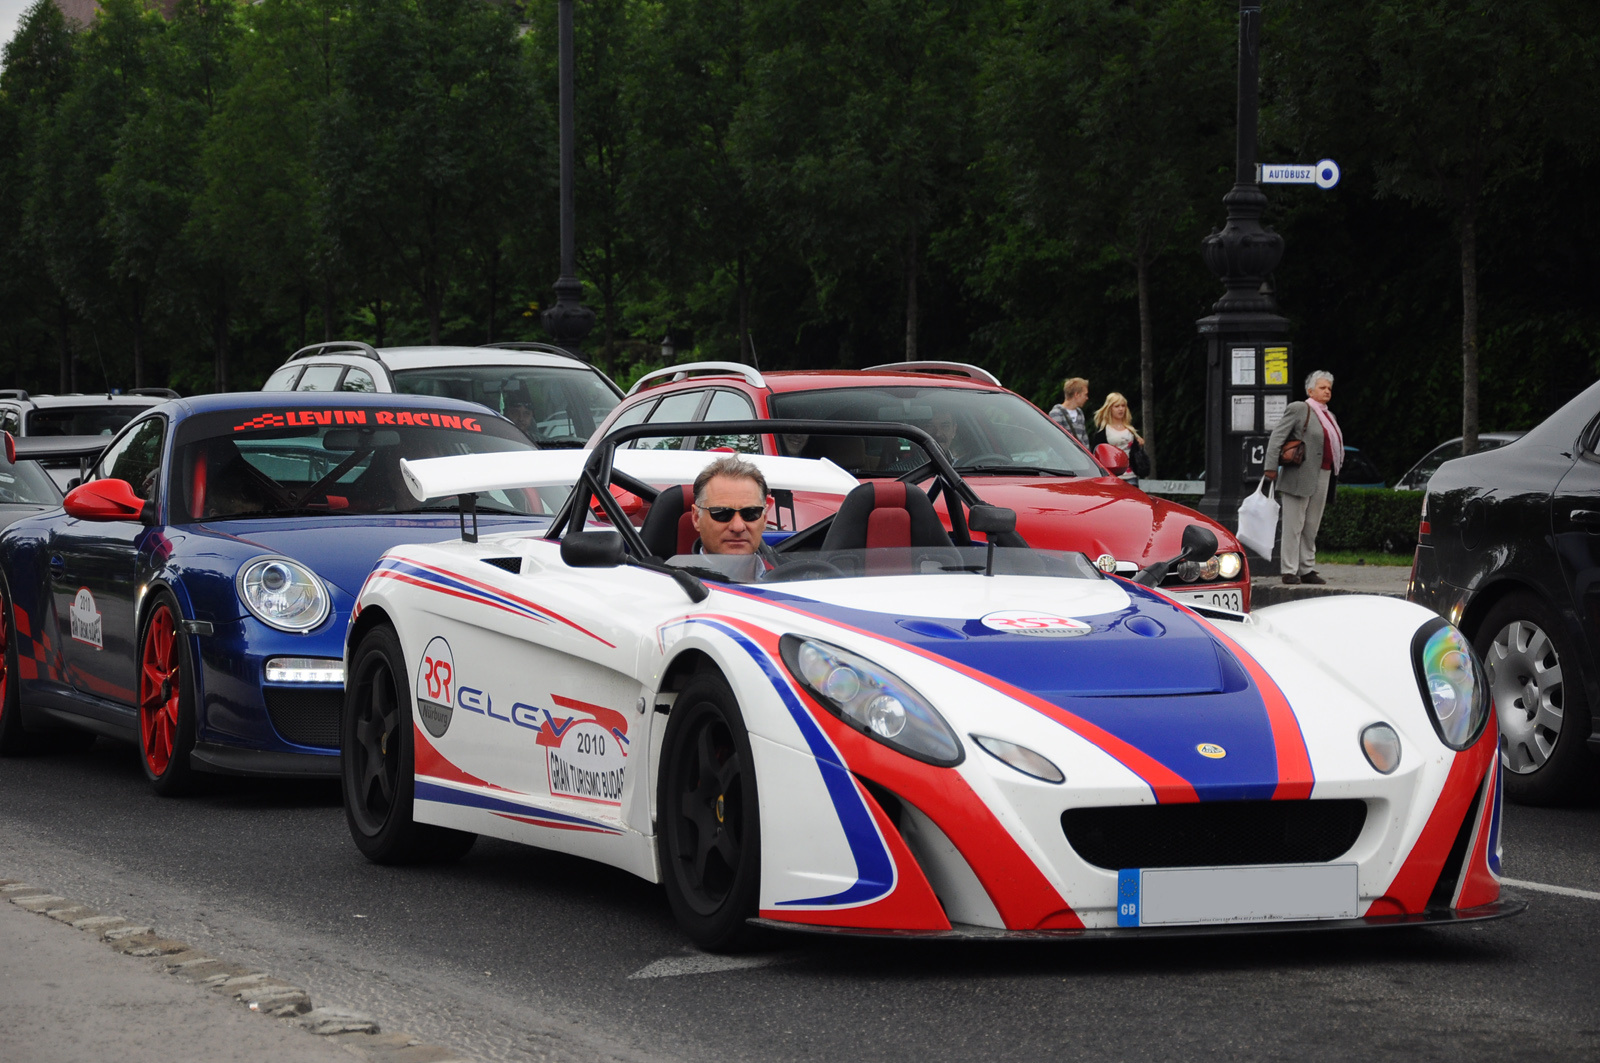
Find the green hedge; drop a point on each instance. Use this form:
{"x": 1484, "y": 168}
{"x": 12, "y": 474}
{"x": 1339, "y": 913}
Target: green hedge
{"x": 1371, "y": 518}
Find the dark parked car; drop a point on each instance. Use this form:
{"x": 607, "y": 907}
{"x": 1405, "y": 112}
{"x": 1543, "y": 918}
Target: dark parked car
{"x": 1509, "y": 551}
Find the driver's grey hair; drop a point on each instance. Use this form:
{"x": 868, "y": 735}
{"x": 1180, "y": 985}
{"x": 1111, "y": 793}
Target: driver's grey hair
{"x": 731, "y": 466}
{"x": 1316, "y": 375}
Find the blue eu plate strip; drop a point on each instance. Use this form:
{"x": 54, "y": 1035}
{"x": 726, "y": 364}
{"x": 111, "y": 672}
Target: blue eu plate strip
{"x": 1128, "y": 897}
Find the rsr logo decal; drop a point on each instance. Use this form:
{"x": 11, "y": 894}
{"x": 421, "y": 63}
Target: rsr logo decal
{"x": 436, "y": 693}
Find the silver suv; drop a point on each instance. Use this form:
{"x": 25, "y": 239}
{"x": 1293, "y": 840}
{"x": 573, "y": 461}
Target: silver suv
{"x": 555, "y": 397}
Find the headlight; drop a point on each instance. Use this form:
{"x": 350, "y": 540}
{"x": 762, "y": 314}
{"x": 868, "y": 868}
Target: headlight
{"x": 871, "y": 700}
{"x": 283, "y": 594}
{"x": 1382, "y": 747}
{"x": 1229, "y": 565}
{"x": 1452, "y": 683}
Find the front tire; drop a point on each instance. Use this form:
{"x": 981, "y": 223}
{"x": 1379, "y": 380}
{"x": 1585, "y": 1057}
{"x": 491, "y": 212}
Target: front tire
{"x": 14, "y": 741}
{"x": 166, "y": 700}
{"x": 377, "y": 761}
{"x": 709, "y": 834}
{"x": 1539, "y": 699}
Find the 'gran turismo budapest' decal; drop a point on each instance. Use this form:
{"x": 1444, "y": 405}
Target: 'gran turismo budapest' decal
{"x": 85, "y": 618}
{"x": 436, "y": 686}
{"x": 309, "y": 418}
{"x": 586, "y": 750}
{"x": 1028, "y": 622}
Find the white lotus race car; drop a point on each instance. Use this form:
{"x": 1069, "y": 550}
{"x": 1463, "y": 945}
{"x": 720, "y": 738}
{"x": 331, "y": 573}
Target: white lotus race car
{"x": 902, "y": 730}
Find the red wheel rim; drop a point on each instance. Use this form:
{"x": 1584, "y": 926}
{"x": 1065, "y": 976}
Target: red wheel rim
{"x": 5, "y": 661}
{"x": 159, "y": 684}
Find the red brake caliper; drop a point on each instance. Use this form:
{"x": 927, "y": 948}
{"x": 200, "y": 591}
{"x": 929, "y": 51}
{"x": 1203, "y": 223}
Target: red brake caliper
{"x": 158, "y": 691}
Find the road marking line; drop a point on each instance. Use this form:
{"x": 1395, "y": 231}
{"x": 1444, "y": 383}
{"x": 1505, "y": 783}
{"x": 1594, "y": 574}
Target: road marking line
{"x": 704, "y": 963}
{"x": 1565, "y": 891}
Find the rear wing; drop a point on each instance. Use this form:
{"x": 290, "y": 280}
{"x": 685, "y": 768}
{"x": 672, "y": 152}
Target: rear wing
{"x": 60, "y": 449}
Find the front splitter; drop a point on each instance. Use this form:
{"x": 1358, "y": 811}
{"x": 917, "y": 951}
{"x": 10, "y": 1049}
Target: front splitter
{"x": 1509, "y": 904}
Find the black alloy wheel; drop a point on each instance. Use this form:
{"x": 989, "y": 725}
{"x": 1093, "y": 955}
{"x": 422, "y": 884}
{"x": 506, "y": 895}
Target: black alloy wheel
{"x": 710, "y": 830}
{"x": 376, "y": 750}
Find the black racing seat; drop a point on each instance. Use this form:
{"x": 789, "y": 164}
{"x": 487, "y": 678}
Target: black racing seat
{"x": 891, "y": 514}
{"x": 668, "y": 528}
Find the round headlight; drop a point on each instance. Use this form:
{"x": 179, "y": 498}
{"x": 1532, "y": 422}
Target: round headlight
{"x": 1189, "y": 571}
{"x": 1229, "y": 565}
{"x": 283, "y": 594}
{"x": 1452, "y": 683}
{"x": 1210, "y": 568}
{"x": 1382, "y": 747}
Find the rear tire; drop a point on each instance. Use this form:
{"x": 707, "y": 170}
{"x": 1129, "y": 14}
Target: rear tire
{"x": 166, "y": 700}
{"x": 1539, "y": 700}
{"x": 709, "y": 829}
{"x": 376, "y": 761}
{"x": 14, "y": 741}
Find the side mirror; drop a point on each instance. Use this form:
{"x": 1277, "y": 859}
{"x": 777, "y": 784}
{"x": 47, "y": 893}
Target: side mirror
{"x": 992, "y": 520}
{"x": 1199, "y": 543}
{"x": 597, "y": 549}
{"x": 1115, "y": 461}
{"x": 105, "y": 500}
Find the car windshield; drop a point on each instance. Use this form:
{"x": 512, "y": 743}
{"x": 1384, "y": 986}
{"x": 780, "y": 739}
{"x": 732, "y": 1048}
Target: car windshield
{"x": 554, "y": 406}
{"x": 985, "y": 432}
{"x": 106, "y": 420}
{"x": 25, "y": 483}
{"x": 887, "y": 561}
{"x": 300, "y": 461}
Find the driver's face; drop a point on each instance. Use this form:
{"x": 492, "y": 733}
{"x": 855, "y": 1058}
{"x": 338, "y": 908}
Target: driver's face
{"x": 736, "y": 536}
{"x": 521, "y": 415}
{"x": 943, "y": 429}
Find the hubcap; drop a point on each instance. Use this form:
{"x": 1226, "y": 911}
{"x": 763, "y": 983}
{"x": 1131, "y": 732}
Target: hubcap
{"x": 710, "y": 829}
{"x": 377, "y": 721}
{"x": 158, "y": 691}
{"x": 1525, "y": 680}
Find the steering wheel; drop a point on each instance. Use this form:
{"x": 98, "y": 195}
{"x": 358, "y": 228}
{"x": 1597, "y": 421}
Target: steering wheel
{"x": 987, "y": 458}
{"x": 804, "y": 568}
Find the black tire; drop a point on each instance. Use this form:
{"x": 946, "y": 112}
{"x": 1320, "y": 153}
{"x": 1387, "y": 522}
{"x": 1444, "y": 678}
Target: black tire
{"x": 1538, "y": 692}
{"x": 376, "y": 761}
{"x": 709, "y": 829}
{"x": 165, "y": 705}
{"x": 14, "y": 740}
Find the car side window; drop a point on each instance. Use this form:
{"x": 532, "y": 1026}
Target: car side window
{"x": 678, "y": 407}
{"x": 320, "y": 378}
{"x": 283, "y": 379}
{"x": 730, "y": 406}
{"x": 135, "y": 458}
{"x": 358, "y": 379}
{"x": 11, "y": 420}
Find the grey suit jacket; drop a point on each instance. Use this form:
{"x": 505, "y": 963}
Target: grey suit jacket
{"x": 1297, "y": 479}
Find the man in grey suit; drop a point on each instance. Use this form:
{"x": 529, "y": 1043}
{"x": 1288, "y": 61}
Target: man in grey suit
{"x": 1304, "y": 488}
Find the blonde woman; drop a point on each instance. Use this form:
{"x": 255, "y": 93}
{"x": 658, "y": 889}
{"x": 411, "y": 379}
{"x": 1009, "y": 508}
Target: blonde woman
{"x": 1112, "y": 426}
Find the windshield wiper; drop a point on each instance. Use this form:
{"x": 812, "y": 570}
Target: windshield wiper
{"x": 1010, "y": 470}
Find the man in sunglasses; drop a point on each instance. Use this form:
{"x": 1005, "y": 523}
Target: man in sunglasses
{"x": 730, "y": 509}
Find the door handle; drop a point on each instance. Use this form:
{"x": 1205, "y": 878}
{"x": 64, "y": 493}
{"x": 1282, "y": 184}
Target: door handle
{"x": 1586, "y": 516}
{"x": 58, "y": 567}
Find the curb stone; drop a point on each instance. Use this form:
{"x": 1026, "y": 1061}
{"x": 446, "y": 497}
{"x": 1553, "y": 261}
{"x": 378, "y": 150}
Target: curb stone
{"x": 256, "y": 990}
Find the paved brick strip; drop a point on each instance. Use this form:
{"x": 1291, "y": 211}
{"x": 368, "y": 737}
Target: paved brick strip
{"x": 256, "y": 990}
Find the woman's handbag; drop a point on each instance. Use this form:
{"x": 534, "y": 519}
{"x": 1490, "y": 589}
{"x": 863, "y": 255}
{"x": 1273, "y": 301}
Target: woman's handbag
{"x": 1138, "y": 460}
{"x": 1294, "y": 451}
{"x": 1258, "y": 520}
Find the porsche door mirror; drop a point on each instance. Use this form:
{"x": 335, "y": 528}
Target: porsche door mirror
{"x": 592, "y": 549}
{"x": 1199, "y": 543}
{"x": 1115, "y": 461}
{"x": 105, "y": 500}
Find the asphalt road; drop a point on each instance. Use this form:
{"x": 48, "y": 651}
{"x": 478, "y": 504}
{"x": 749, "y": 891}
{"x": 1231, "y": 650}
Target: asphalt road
{"x": 517, "y": 954}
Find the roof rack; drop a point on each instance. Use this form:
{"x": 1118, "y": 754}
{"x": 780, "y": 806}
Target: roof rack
{"x": 535, "y": 346}
{"x": 356, "y": 347}
{"x": 13, "y": 393}
{"x": 681, "y": 372}
{"x": 971, "y": 372}
{"x": 159, "y": 393}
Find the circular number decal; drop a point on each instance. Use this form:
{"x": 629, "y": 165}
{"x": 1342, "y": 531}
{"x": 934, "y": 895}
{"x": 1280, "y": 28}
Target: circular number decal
{"x": 1027, "y": 622}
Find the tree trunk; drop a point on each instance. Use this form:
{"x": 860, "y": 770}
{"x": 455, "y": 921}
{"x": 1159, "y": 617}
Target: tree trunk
{"x": 911, "y": 296}
{"x": 64, "y": 338}
{"x": 747, "y": 350}
{"x": 327, "y": 311}
{"x": 493, "y": 286}
{"x": 138, "y": 347}
{"x": 305, "y": 312}
{"x": 377, "y": 320}
{"x": 434, "y": 299}
{"x": 219, "y": 339}
{"x": 1469, "y": 326}
{"x": 1147, "y": 362}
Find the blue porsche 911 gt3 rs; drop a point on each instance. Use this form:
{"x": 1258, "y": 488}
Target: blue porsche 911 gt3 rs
{"x": 192, "y": 594}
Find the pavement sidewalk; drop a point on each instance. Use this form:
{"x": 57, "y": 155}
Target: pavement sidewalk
{"x": 1388, "y": 580}
{"x": 65, "y": 996}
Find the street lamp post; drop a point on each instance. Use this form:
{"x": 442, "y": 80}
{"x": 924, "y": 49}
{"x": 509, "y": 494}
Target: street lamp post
{"x": 568, "y": 321}
{"x": 1248, "y": 357}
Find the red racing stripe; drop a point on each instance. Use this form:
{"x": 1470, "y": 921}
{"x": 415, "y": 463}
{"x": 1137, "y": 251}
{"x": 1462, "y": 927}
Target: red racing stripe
{"x": 1414, "y": 882}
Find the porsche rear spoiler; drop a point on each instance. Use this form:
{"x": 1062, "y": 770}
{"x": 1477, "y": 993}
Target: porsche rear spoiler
{"x": 60, "y": 450}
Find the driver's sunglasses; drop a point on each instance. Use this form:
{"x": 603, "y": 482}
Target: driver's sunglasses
{"x": 723, "y": 514}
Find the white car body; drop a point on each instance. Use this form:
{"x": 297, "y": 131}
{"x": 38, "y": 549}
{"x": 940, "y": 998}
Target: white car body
{"x": 542, "y": 696}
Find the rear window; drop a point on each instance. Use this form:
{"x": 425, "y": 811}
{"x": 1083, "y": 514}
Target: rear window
{"x": 304, "y": 461}
{"x": 105, "y": 420}
{"x": 554, "y": 406}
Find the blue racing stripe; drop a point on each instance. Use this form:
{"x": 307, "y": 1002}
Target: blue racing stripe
{"x": 431, "y": 791}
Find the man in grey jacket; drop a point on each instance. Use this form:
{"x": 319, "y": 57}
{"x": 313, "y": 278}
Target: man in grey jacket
{"x": 1304, "y": 487}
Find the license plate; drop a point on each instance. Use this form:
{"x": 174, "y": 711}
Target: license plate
{"x": 1178, "y": 896}
{"x": 1220, "y": 599}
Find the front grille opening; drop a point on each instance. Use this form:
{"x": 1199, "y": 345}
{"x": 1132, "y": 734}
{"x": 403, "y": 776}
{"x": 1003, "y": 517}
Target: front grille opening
{"x": 1215, "y": 833}
{"x": 305, "y": 717}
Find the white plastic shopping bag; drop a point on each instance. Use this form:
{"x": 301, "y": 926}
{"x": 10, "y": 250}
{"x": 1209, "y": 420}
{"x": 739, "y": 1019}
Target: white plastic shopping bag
{"x": 1258, "y": 519}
